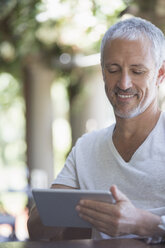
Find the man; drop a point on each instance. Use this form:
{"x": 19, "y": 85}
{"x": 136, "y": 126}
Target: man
{"x": 128, "y": 158}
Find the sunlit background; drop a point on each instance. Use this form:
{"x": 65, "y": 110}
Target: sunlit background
{"x": 51, "y": 90}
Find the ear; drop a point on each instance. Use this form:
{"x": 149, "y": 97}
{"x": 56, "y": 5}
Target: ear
{"x": 161, "y": 74}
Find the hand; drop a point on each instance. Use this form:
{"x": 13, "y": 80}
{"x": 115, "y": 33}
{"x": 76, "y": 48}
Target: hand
{"x": 113, "y": 219}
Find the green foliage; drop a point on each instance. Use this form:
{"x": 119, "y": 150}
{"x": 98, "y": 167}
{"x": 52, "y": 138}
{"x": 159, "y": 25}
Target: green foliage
{"x": 29, "y": 27}
{"x": 17, "y": 25}
{"x": 12, "y": 148}
{"x": 9, "y": 91}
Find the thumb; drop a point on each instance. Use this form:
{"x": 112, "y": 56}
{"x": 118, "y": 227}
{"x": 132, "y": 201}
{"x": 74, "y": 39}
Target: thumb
{"x": 117, "y": 194}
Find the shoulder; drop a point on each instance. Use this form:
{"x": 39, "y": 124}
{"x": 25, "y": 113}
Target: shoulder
{"x": 95, "y": 137}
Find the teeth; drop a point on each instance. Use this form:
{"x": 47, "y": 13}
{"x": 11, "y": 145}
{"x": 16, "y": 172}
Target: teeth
{"x": 125, "y": 96}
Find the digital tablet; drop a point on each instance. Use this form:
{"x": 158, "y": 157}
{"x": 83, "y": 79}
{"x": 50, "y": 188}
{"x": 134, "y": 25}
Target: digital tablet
{"x": 56, "y": 207}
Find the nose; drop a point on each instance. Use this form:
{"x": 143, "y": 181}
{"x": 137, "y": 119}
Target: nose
{"x": 125, "y": 81}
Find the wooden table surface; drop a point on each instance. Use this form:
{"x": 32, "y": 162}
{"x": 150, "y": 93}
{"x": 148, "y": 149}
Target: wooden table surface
{"x": 116, "y": 243}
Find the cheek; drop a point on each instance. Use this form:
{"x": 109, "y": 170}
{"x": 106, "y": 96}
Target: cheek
{"x": 110, "y": 81}
{"x": 149, "y": 88}
{"x": 108, "y": 88}
{"x": 144, "y": 83}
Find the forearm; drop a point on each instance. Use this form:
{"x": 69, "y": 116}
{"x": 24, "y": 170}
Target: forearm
{"x": 147, "y": 224}
{"x": 37, "y": 231}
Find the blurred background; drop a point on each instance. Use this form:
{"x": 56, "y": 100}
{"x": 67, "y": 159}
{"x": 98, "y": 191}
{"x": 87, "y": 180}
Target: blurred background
{"x": 51, "y": 90}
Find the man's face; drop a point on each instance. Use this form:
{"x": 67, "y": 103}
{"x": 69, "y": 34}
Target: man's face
{"x": 130, "y": 76}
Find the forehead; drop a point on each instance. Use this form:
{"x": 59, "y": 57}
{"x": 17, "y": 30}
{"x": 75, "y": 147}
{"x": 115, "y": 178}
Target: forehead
{"x": 132, "y": 51}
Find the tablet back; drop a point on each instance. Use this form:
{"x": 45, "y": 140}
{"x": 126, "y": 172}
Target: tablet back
{"x": 56, "y": 207}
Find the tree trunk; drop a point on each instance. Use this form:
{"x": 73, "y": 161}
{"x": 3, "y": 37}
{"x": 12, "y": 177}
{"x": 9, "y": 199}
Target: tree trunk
{"x": 37, "y": 80}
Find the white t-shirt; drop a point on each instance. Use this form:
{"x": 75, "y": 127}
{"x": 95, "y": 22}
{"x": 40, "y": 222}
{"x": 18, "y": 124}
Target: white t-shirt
{"x": 95, "y": 164}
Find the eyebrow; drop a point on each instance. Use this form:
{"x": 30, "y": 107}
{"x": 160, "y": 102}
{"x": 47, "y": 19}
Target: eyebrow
{"x": 138, "y": 65}
{"x": 111, "y": 64}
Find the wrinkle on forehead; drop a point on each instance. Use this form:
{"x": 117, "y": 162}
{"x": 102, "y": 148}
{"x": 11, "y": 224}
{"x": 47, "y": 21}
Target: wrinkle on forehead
{"x": 135, "y": 52}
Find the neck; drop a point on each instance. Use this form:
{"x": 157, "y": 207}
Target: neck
{"x": 129, "y": 134}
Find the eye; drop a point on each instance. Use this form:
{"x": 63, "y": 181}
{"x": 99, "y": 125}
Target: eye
{"x": 138, "y": 72}
{"x": 113, "y": 68}
{"x": 112, "y": 71}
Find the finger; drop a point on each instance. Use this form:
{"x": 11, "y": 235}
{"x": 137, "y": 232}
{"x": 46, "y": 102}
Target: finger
{"x": 101, "y": 216}
{"x": 91, "y": 213}
{"x": 101, "y": 224}
{"x": 89, "y": 218}
{"x": 98, "y": 222}
{"x": 117, "y": 194}
{"x": 97, "y": 206}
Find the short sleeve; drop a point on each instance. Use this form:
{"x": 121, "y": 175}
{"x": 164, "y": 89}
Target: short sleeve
{"x": 68, "y": 175}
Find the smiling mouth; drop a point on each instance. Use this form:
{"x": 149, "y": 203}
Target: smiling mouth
{"x": 125, "y": 96}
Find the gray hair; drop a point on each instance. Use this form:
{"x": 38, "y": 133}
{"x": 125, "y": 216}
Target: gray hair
{"x": 133, "y": 29}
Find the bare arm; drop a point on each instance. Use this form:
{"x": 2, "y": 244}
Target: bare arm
{"x": 38, "y": 231}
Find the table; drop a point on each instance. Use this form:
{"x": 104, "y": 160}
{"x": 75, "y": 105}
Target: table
{"x": 115, "y": 243}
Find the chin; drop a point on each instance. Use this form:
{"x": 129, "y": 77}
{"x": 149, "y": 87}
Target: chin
{"x": 128, "y": 115}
